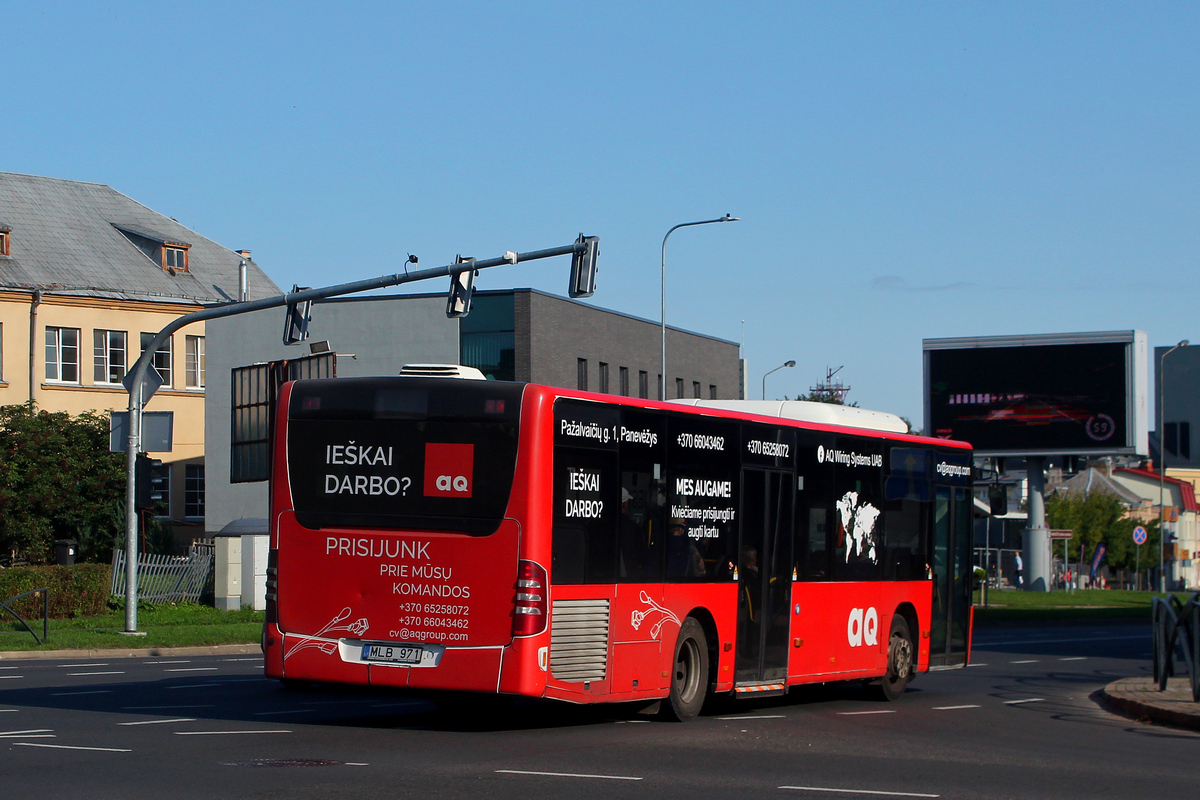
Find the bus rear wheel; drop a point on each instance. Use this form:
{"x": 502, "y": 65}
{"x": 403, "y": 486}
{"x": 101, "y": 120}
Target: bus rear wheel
{"x": 689, "y": 673}
{"x": 900, "y": 661}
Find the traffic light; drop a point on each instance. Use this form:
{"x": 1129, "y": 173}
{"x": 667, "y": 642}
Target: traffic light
{"x": 998, "y": 500}
{"x": 295, "y": 324}
{"x": 583, "y": 267}
{"x": 458, "y": 302}
{"x": 150, "y": 483}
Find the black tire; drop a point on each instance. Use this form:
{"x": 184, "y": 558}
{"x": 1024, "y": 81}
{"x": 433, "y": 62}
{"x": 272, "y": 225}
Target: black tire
{"x": 900, "y": 663}
{"x": 689, "y": 673}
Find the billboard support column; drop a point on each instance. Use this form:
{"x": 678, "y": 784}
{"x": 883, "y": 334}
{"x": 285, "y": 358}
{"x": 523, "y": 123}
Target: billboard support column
{"x": 1037, "y": 535}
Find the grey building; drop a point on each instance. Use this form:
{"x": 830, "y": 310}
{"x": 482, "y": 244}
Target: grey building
{"x": 518, "y": 334}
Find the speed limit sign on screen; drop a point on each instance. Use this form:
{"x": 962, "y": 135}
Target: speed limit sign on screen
{"x": 1139, "y": 535}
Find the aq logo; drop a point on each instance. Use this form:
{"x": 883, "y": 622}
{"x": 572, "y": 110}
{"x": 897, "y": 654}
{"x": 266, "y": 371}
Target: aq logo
{"x": 449, "y": 469}
{"x": 863, "y": 627}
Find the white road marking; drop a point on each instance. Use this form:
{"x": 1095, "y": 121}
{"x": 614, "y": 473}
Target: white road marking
{"x": 73, "y": 694}
{"x": 759, "y": 716}
{"x": 242, "y": 659}
{"x": 570, "y": 775}
{"x": 10, "y": 677}
{"x": 976, "y": 665}
{"x": 1026, "y": 661}
{"x": 357, "y": 764}
{"x": 162, "y": 708}
{"x": 953, "y": 708}
{"x": 193, "y": 669}
{"x": 986, "y": 645}
{"x": 22, "y": 733}
{"x": 183, "y": 661}
{"x": 158, "y": 721}
{"x": 858, "y": 791}
{"x": 293, "y": 711}
{"x": 1074, "y": 658}
{"x": 80, "y": 666}
{"x": 194, "y": 686}
{"x": 9, "y": 667}
{"x": 71, "y": 747}
{"x": 857, "y": 713}
{"x": 1026, "y": 700}
{"x": 221, "y": 733}
{"x": 80, "y": 674}
{"x": 7, "y": 710}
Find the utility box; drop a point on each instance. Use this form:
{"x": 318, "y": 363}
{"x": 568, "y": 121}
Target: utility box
{"x": 241, "y": 565}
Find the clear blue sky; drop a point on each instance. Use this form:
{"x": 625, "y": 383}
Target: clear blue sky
{"x": 902, "y": 171}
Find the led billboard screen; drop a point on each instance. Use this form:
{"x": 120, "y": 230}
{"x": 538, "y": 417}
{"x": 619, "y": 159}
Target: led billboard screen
{"x": 1039, "y": 395}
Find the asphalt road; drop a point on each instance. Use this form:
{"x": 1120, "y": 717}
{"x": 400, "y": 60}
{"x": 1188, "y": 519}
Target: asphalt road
{"x": 1018, "y": 723}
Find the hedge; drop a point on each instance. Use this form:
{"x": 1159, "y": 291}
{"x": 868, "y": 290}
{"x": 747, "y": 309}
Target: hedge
{"x": 79, "y": 590}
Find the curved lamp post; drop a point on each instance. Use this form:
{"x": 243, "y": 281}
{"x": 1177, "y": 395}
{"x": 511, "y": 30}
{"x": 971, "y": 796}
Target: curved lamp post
{"x": 662, "y": 378}
{"x": 781, "y": 366}
{"x": 1162, "y": 464}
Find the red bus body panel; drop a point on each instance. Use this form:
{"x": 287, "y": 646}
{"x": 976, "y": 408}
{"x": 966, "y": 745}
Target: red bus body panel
{"x": 357, "y": 585}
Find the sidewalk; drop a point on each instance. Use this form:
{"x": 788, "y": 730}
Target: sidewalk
{"x": 1140, "y": 699}
{"x": 105, "y": 652}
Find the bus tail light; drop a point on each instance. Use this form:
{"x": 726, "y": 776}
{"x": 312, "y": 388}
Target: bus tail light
{"x": 273, "y": 586}
{"x": 529, "y": 613}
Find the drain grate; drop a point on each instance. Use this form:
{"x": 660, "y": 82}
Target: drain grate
{"x": 284, "y": 762}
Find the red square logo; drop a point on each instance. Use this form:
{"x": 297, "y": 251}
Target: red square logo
{"x": 449, "y": 469}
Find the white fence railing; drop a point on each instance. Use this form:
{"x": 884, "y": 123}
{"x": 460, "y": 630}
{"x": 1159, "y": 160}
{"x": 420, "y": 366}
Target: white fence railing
{"x": 166, "y": 579}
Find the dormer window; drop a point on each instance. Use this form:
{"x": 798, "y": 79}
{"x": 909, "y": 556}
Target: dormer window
{"x": 4, "y": 236}
{"x": 175, "y": 258}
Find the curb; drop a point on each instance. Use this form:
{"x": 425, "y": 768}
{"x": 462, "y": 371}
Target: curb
{"x": 1139, "y": 699}
{"x": 103, "y": 652}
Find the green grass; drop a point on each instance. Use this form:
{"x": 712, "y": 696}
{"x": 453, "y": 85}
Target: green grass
{"x": 1083, "y": 604}
{"x": 181, "y": 625}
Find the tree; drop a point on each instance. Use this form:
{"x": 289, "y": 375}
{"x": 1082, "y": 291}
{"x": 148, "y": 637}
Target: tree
{"x": 58, "y": 481}
{"x": 1097, "y": 517}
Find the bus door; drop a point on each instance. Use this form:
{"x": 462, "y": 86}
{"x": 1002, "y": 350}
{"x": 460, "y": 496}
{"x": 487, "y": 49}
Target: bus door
{"x": 764, "y": 576}
{"x": 950, "y": 563}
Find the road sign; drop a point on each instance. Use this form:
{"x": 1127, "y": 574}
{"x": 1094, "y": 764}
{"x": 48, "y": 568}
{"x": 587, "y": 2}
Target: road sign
{"x": 1139, "y": 535}
{"x": 1061, "y": 534}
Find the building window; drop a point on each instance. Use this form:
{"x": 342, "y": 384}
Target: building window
{"x": 194, "y": 362}
{"x": 193, "y": 491}
{"x": 4, "y": 243}
{"x": 62, "y": 354}
{"x": 696, "y": 389}
{"x": 108, "y": 349}
{"x": 624, "y": 378}
{"x": 175, "y": 258}
{"x": 712, "y": 391}
{"x": 679, "y": 387}
{"x": 603, "y": 377}
{"x": 643, "y": 384}
{"x": 162, "y": 357}
{"x": 582, "y": 374}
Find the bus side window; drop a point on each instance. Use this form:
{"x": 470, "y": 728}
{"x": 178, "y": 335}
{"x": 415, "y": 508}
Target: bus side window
{"x": 641, "y": 533}
{"x": 815, "y": 552}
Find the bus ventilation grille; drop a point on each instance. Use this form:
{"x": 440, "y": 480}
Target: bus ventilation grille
{"x": 579, "y": 640}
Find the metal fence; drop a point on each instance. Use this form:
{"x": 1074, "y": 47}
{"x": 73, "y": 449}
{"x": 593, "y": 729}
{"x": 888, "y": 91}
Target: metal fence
{"x": 167, "y": 579}
{"x": 1177, "y": 631}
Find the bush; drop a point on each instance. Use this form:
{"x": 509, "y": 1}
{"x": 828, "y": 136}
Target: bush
{"x": 80, "y": 590}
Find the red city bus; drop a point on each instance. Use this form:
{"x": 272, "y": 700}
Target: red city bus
{"x": 494, "y": 537}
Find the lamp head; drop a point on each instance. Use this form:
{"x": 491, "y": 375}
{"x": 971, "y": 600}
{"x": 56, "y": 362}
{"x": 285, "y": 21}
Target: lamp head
{"x": 728, "y": 218}
{"x": 1184, "y": 343}
{"x": 789, "y": 363}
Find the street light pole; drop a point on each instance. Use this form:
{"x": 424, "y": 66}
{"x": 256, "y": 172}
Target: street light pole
{"x": 1162, "y": 463}
{"x": 781, "y": 366}
{"x": 662, "y": 378}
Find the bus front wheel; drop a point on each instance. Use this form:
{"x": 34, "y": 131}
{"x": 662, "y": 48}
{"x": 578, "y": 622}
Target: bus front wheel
{"x": 900, "y": 663}
{"x": 689, "y": 673}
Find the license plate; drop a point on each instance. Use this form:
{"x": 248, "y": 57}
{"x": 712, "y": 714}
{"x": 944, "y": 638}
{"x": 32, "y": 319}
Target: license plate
{"x": 393, "y": 654}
